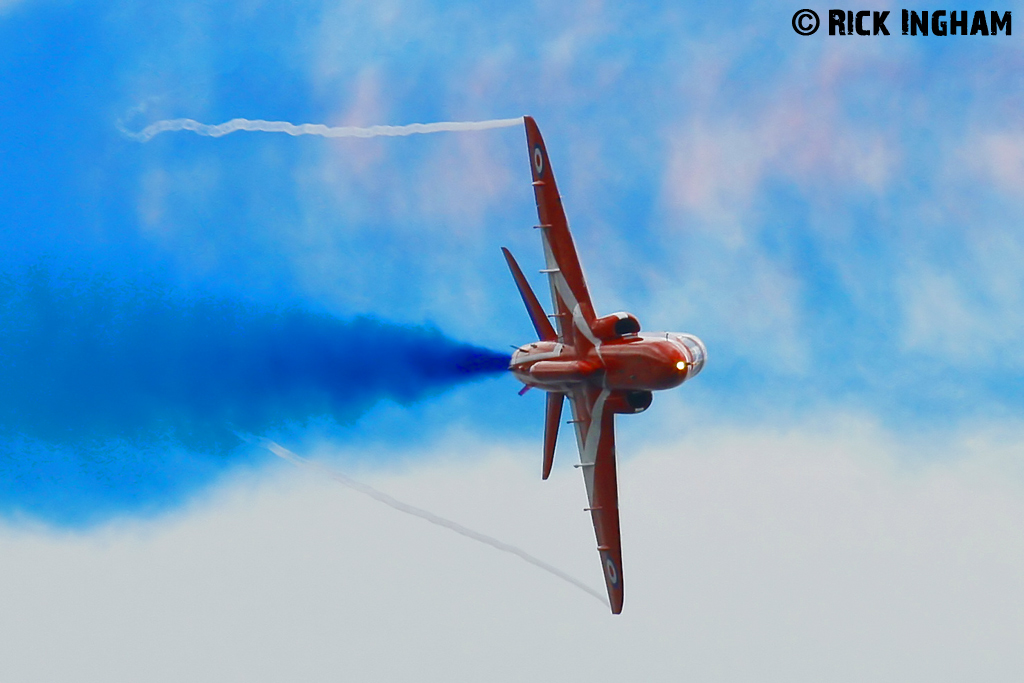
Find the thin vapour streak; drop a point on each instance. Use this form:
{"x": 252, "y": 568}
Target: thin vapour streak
{"x": 382, "y": 497}
{"x": 259, "y": 125}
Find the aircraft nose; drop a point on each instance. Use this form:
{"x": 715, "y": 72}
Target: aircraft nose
{"x": 695, "y": 351}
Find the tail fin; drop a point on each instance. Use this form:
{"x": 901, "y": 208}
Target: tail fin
{"x": 540, "y": 320}
{"x": 553, "y": 412}
{"x": 552, "y": 420}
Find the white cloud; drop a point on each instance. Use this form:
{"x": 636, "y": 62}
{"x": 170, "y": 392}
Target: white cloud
{"x": 719, "y": 162}
{"x": 763, "y": 554}
{"x": 971, "y": 310}
{"x": 748, "y": 301}
{"x": 998, "y": 156}
{"x": 744, "y": 270}
{"x": 962, "y": 286}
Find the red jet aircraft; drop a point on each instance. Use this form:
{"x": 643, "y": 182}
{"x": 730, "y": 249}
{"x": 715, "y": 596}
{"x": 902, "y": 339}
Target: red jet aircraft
{"x": 604, "y": 365}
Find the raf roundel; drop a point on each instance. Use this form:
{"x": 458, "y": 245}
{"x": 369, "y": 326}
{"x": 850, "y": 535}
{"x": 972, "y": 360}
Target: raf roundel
{"x": 613, "y": 573}
{"x": 538, "y": 160}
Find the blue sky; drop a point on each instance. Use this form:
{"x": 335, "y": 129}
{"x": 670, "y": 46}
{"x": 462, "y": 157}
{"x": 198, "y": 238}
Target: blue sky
{"x": 838, "y": 218}
{"x": 845, "y": 207}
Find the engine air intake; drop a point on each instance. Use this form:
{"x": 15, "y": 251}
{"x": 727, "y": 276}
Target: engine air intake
{"x": 615, "y": 326}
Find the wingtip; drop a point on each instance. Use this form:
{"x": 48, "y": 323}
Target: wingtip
{"x": 532, "y": 129}
{"x": 615, "y": 600}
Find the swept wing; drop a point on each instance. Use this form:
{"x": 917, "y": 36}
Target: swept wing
{"x": 574, "y": 314}
{"x": 574, "y": 318}
{"x": 595, "y": 436}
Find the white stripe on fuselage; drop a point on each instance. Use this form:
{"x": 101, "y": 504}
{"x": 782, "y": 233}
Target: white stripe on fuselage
{"x": 588, "y": 454}
{"x": 588, "y": 444}
{"x": 561, "y": 286}
{"x": 581, "y": 325}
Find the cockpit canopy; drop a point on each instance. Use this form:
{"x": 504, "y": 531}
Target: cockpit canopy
{"x": 693, "y": 348}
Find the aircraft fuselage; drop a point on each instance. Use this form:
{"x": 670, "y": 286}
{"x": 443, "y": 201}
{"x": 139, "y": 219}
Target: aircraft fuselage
{"x": 638, "y": 362}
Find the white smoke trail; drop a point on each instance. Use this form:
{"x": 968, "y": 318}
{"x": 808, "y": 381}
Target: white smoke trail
{"x": 216, "y": 131}
{"x": 366, "y": 490}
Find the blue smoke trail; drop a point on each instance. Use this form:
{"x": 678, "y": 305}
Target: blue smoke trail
{"x": 121, "y": 399}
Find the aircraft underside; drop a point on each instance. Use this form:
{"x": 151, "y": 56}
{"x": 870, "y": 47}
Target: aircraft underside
{"x": 602, "y": 365}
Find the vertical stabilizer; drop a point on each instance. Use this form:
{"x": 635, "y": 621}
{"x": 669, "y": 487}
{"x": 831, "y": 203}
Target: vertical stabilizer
{"x": 545, "y": 332}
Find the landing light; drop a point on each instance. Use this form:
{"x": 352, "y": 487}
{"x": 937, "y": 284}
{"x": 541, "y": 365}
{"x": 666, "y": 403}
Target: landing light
{"x": 681, "y": 365}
